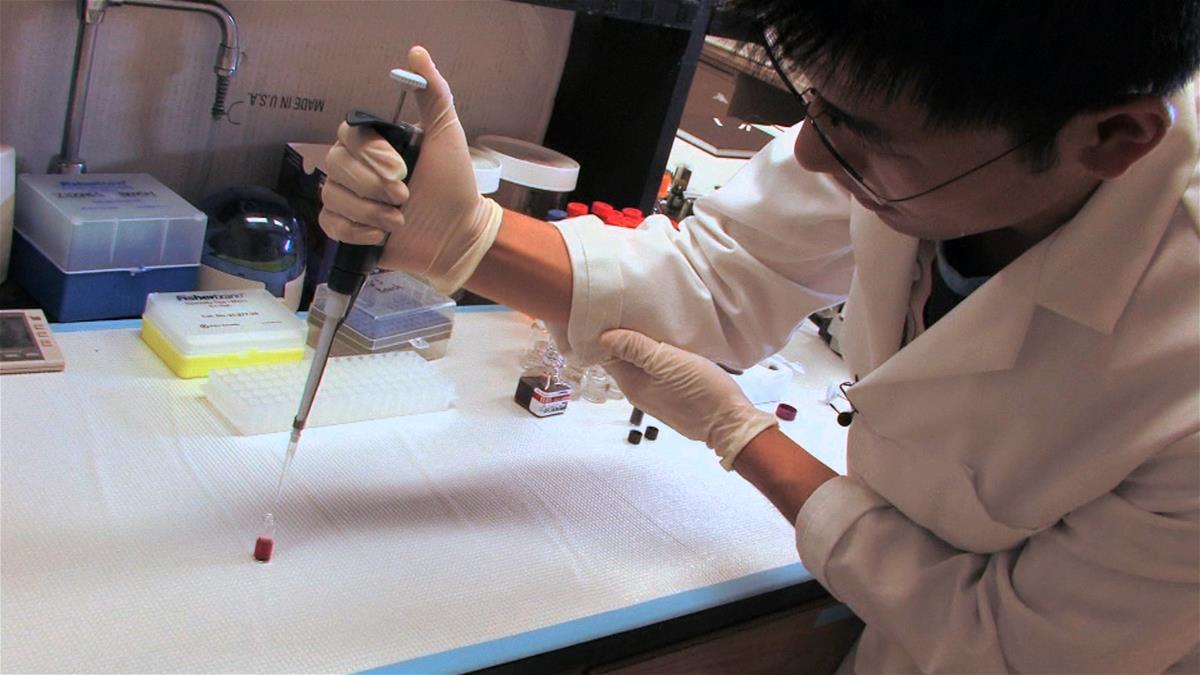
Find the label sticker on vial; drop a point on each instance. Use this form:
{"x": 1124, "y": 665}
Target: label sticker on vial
{"x": 544, "y": 403}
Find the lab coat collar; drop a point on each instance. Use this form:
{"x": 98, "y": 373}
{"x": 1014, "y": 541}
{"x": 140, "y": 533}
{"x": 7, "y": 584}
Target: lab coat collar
{"x": 1085, "y": 271}
{"x": 984, "y": 333}
{"x": 1095, "y": 261}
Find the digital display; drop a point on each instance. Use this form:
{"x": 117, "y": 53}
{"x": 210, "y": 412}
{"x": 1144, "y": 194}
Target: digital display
{"x": 16, "y": 339}
{"x": 26, "y": 345}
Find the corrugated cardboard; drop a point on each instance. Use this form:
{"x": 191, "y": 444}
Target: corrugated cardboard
{"x": 152, "y": 83}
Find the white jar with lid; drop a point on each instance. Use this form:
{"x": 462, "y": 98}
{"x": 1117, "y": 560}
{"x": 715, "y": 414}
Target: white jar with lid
{"x": 487, "y": 170}
{"x": 533, "y": 179}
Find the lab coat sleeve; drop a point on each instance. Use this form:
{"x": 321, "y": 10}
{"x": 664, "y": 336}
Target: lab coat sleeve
{"x": 734, "y": 282}
{"x": 1114, "y": 586}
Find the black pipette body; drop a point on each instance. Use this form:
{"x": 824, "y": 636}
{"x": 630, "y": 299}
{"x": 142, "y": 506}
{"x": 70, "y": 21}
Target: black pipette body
{"x": 353, "y": 262}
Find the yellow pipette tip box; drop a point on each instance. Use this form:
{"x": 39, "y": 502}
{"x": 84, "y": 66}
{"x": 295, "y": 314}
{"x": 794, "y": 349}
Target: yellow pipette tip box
{"x": 196, "y": 332}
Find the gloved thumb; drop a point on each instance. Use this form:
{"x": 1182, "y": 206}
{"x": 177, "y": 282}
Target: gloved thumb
{"x": 630, "y": 346}
{"x": 435, "y": 100}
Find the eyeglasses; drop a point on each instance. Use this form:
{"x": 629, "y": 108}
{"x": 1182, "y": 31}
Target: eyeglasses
{"x": 810, "y": 101}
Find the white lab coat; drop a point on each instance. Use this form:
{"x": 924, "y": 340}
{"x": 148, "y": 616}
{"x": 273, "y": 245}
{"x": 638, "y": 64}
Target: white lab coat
{"x": 1024, "y": 488}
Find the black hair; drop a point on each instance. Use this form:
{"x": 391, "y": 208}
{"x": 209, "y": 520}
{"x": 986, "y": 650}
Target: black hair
{"x": 1027, "y": 66}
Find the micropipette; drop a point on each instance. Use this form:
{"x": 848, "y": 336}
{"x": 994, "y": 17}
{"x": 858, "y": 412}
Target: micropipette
{"x": 351, "y": 265}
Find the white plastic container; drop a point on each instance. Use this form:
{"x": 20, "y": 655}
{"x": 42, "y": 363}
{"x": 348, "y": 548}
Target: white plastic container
{"x": 533, "y": 179}
{"x": 263, "y": 399}
{"x": 487, "y": 171}
{"x": 196, "y": 332}
{"x": 108, "y": 221}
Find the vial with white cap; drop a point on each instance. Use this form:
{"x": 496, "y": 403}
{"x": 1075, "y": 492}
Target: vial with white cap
{"x": 533, "y": 180}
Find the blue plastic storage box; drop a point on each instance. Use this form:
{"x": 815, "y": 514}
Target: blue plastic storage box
{"x": 96, "y": 294}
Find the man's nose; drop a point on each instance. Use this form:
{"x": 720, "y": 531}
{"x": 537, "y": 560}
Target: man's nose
{"x": 812, "y": 153}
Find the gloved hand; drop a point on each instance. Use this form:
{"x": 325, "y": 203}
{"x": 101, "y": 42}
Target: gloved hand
{"x": 444, "y": 227}
{"x": 688, "y": 392}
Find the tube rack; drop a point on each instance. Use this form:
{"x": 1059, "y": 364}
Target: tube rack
{"x": 264, "y": 399}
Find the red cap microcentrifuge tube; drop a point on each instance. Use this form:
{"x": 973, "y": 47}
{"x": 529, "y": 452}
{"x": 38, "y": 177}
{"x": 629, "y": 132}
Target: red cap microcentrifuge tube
{"x": 265, "y": 544}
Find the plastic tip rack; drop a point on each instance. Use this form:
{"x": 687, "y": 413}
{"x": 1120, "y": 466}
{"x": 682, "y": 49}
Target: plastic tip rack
{"x": 263, "y": 399}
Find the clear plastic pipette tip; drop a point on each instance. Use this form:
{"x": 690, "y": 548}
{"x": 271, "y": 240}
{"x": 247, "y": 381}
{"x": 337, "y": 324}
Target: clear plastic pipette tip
{"x": 265, "y": 545}
{"x": 293, "y": 443}
{"x": 268, "y": 525}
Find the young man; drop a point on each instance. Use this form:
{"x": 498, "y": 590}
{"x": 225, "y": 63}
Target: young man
{"x": 1009, "y": 198}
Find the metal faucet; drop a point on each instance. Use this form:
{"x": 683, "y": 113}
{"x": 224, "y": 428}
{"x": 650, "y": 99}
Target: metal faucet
{"x": 91, "y": 14}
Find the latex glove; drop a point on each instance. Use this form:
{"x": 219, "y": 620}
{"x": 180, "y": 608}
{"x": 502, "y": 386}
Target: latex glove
{"x": 686, "y": 391}
{"x": 443, "y": 227}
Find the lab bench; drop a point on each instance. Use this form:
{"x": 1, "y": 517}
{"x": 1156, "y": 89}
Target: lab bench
{"x": 474, "y": 538}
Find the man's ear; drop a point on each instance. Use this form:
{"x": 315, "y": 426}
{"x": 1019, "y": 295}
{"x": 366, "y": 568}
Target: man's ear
{"x": 1107, "y": 142}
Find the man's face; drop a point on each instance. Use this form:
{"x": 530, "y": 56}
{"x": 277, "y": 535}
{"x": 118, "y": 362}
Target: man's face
{"x": 887, "y": 144}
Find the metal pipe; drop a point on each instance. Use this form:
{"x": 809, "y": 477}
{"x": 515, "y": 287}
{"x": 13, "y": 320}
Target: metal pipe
{"x": 228, "y": 56}
{"x": 68, "y": 160}
{"x": 229, "y": 53}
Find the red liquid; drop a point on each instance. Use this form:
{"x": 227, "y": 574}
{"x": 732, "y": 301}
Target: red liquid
{"x": 263, "y": 548}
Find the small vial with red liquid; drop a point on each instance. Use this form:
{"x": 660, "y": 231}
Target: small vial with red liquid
{"x": 265, "y": 544}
